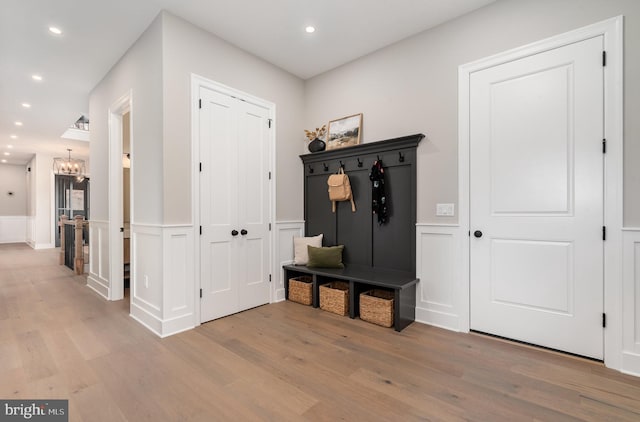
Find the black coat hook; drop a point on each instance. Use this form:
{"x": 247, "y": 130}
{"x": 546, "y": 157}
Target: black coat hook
{"x": 341, "y": 164}
{"x": 401, "y": 157}
{"x": 359, "y": 162}
{"x": 378, "y": 157}
{"x": 326, "y": 167}
{"x": 310, "y": 169}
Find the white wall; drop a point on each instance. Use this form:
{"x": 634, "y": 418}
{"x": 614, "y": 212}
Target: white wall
{"x": 157, "y": 70}
{"x": 138, "y": 71}
{"x": 188, "y": 49}
{"x": 14, "y": 180}
{"x": 13, "y": 208}
{"x": 40, "y": 217}
{"x": 411, "y": 86}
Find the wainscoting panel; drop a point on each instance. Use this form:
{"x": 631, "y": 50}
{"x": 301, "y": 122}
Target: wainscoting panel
{"x": 631, "y": 301}
{"x": 13, "y": 229}
{"x": 285, "y": 232}
{"x": 98, "y": 278}
{"x": 163, "y": 278}
{"x": 178, "y": 280}
{"x": 146, "y": 283}
{"x": 438, "y": 261}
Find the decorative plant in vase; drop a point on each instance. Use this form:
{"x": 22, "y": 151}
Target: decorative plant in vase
{"x": 314, "y": 136}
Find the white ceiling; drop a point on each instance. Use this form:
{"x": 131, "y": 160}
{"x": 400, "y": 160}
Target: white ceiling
{"x": 98, "y": 32}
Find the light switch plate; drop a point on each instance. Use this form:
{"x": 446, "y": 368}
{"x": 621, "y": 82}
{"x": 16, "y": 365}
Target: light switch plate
{"x": 445, "y": 210}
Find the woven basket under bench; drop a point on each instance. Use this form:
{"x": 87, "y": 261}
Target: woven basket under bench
{"x": 301, "y": 289}
{"x": 334, "y": 297}
{"x": 376, "y": 306}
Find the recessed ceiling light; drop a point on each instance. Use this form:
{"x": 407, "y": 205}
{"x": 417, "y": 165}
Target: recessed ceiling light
{"x": 26, "y": 105}
{"x": 3, "y": 161}
{"x": 7, "y": 153}
{"x": 55, "y": 30}
{"x": 310, "y": 29}
{"x": 9, "y": 146}
{"x": 18, "y": 123}
{"x": 13, "y": 136}
{"x": 36, "y": 77}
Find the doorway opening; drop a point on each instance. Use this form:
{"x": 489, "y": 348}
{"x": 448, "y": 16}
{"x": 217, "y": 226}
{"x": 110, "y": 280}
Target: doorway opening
{"x": 120, "y": 140}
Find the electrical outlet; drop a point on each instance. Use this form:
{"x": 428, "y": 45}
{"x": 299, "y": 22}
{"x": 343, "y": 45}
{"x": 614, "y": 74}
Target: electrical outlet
{"x": 445, "y": 210}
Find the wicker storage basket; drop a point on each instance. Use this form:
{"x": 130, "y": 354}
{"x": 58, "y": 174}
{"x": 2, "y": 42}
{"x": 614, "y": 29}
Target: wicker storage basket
{"x": 301, "y": 289}
{"x": 376, "y": 306}
{"x": 334, "y": 297}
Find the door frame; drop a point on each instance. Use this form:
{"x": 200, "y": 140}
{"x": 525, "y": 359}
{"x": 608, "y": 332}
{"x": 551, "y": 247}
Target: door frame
{"x": 198, "y": 82}
{"x": 116, "y": 259}
{"x": 612, "y": 32}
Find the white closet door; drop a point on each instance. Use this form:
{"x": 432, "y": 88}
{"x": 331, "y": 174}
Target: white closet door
{"x": 537, "y": 199}
{"x": 234, "y": 205}
{"x": 253, "y": 213}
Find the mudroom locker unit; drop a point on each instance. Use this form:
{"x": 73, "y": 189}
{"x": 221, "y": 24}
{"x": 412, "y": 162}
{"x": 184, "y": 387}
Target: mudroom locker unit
{"x": 375, "y": 255}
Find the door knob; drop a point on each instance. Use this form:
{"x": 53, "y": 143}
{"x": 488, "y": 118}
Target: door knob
{"x": 234, "y": 232}
{"x": 243, "y": 232}
{"x": 477, "y": 233}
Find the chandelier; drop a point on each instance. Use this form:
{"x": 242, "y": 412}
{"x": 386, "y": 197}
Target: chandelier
{"x": 69, "y": 167}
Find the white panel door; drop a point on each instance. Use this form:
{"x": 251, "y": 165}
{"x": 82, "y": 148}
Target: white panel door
{"x": 536, "y": 199}
{"x": 254, "y": 198}
{"x": 234, "y": 205}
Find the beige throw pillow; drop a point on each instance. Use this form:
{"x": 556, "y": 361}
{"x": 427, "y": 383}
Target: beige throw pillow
{"x": 301, "y": 255}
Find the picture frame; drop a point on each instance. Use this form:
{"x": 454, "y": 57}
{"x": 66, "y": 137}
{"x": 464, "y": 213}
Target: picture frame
{"x": 344, "y": 132}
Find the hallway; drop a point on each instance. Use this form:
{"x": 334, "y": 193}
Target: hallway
{"x": 58, "y": 339}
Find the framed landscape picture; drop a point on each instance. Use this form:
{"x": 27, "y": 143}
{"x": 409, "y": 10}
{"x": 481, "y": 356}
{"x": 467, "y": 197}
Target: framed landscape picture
{"x": 344, "y": 132}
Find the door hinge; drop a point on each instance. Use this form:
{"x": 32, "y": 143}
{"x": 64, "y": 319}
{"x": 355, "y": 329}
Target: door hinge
{"x": 269, "y": 278}
{"x": 604, "y": 146}
{"x": 604, "y": 232}
{"x": 269, "y": 175}
{"x": 269, "y": 123}
{"x": 200, "y": 167}
{"x": 269, "y": 226}
{"x": 201, "y": 230}
{"x": 469, "y": 233}
{"x": 604, "y": 58}
{"x": 604, "y": 320}
{"x": 200, "y": 293}
{"x": 200, "y": 103}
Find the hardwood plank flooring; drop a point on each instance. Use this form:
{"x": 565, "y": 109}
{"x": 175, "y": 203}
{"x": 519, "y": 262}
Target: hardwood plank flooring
{"x": 280, "y": 362}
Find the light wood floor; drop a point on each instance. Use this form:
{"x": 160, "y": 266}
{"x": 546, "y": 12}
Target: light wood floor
{"x": 279, "y": 362}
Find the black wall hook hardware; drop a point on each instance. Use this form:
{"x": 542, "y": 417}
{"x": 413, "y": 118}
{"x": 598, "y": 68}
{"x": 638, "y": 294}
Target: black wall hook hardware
{"x": 378, "y": 157}
{"x": 310, "y": 169}
{"x": 341, "y": 164}
{"x": 326, "y": 167}
{"x": 401, "y": 159}
{"x": 359, "y": 162}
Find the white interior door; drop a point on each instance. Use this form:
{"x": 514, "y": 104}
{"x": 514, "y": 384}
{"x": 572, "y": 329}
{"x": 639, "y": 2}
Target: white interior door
{"x": 536, "y": 199}
{"x": 234, "y": 205}
{"x": 253, "y": 213}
